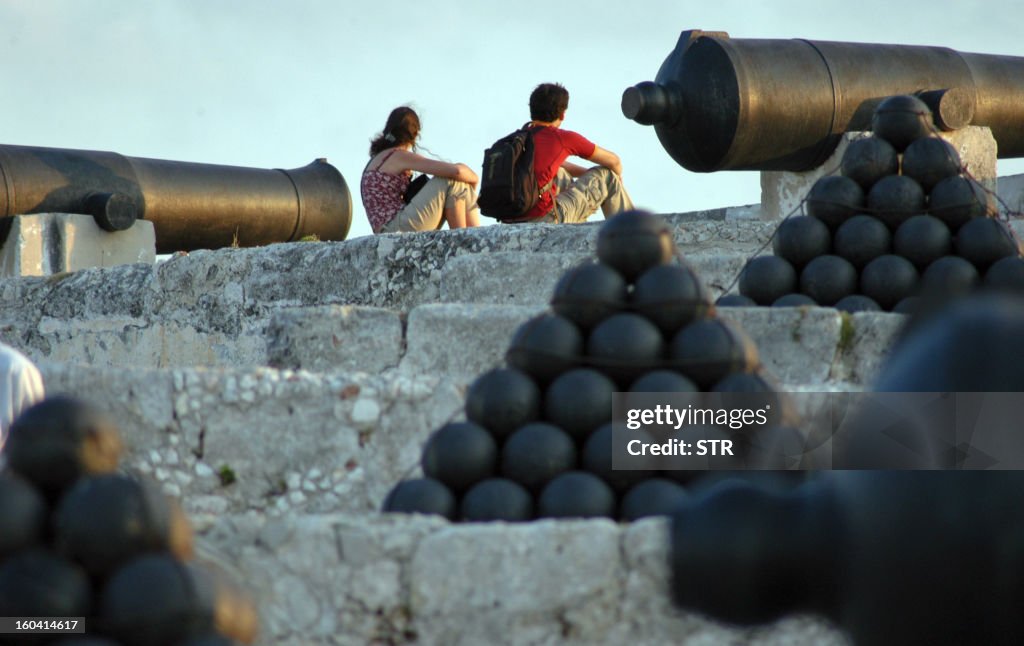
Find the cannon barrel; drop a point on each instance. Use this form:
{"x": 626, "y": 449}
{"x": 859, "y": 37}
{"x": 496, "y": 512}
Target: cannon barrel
{"x": 191, "y": 205}
{"x": 719, "y": 103}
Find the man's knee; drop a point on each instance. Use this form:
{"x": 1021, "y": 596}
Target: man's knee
{"x": 605, "y": 177}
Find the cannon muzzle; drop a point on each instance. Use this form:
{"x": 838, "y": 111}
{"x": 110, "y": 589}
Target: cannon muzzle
{"x": 191, "y": 206}
{"x": 745, "y": 104}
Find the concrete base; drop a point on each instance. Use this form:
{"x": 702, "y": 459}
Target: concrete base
{"x": 51, "y": 243}
{"x": 782, "y": 192}
{"x": 1011, "y": 192}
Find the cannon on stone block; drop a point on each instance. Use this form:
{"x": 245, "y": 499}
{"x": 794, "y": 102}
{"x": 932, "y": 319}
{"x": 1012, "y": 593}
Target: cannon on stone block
{"x": 719, "y": 103}
{"x": 191, "y": 205}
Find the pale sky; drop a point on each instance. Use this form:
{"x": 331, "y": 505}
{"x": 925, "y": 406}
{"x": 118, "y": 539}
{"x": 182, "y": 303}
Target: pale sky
{"x": 276, "y": 84}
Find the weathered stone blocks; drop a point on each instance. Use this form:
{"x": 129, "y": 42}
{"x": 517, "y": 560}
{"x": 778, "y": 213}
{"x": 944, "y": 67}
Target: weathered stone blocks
{"x": 398, "y": 579}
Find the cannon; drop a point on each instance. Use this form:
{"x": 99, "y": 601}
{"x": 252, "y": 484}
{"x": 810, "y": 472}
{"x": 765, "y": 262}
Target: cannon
{"x": 719, "y": 103}
{"x": 191, "y": 205}
{"x": 891, "y": 557}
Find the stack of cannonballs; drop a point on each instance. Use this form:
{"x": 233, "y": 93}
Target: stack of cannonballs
{"x": 80, "y": 540}
{"x": 538, "y": 439}
{"x": 901, "y": 222}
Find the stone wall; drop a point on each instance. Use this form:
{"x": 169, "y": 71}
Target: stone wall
{"x": 342, "y": 579}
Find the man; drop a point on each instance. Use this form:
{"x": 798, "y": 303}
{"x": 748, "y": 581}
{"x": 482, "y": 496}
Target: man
{"x": 575, "y": 192}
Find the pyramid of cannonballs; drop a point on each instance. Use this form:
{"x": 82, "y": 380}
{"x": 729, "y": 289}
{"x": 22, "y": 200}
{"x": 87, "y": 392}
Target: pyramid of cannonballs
{"x": 80, "y": 540}
{"x": 901, "y": 221}
{"x": 538, "y": 438}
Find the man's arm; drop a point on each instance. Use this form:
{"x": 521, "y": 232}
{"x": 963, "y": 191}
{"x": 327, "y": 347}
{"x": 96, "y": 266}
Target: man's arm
{"x": 574, "y": 169}
{"x": 608, "y": 159}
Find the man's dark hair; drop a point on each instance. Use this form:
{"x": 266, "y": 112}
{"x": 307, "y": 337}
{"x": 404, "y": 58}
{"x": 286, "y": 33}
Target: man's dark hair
{"x": 548, "y": 102}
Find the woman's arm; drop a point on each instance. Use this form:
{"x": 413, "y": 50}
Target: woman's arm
{"x": 404, "y": 160}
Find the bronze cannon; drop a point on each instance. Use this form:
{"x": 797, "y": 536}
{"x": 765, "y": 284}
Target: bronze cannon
{"x": 719, "y": 103}
{"x": 191, "y": 205}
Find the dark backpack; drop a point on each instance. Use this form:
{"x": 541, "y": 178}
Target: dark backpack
{"x": 508, "y": 183}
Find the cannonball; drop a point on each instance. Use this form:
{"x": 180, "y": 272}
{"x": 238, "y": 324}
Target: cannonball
{"x": 497, "y": 499}
{"x": 739, "y": 523}
{"x": 749, "y": 390}
{"x": 908, "y": 305}
{"x": 663, "y": 381}
{"x": 38, "y": 583}
{"x": 576, "y": 494}
{"x": 460, "y": 454}
{"x": 589, "y": 293}
{"x": 60, "y": 439}
{"x": 207, "y": 640}
{"x": 956, "y": 200}
{"x": 597, "y": 458}
{"x": 895, "y": 198}
{"x": 634, "y": 241}
{"x": 157, "y": 600}
{"x": 922, "y": 240}
{"x": 24, "y": 513}
{"x": 929, "y": 160}
{"x": 826, "y": 279}
{"x": 775, "y": 448}
{"x": 973, "y": 344}
{"x": 503, "y": 399}
{"x": 765, "y": 278}
{"x": 709, "y": 349}
{"x": 949, "y": 276}
{"x": 734, "y": 300}
{"x": 545, "y": 347}
{"x": 861, "y": 239}
{"x": 625, "y": 345}
{"x": 103, "y": 641}
{"x": 718, "y": 455}
{"x": 983, "y": 241}
{"x": 579, "y": 401}
{"x": 775, "y": 480}
{"x": 744, "y": 382}
{"x": 834, "y": 198}
{"x": 794, "y": 300}
{"x": 653, "y": 497}
{"x": 800, "y": 239}
{"x": 670, "y": 296}
{"x": 105, "y": 520}
{"x": 857, "y": 303}
{"x": 1006, "y": 274}
{"x": 902, "y": 119}
{"x": 536, "y": 453}
{"x": 888, "y": 279}
{"x": 421, "y": 496}
{"x": 868, "y": 160}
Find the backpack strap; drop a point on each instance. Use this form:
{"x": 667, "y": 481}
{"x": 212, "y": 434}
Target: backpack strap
{"x": 551, "y": 183}
{"x": 382, "y": 161}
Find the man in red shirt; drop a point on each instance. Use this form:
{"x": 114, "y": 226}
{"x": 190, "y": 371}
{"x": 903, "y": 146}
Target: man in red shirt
{"x": 575, "y": 191}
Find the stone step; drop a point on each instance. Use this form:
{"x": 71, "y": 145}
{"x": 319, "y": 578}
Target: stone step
{"x": 398, "y": 579}
{"x": 282, "y": 439}
{"x": 799, "y": 346}
{"x": 225, "y": 327}
{"x": 212, "y": 307}
{"x": 461, "y": 340}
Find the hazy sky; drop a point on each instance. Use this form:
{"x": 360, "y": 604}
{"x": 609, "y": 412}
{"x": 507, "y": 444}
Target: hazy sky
{"x": 275, "y": 84}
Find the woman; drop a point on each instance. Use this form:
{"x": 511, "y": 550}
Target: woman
{"x": 449, "y": 196}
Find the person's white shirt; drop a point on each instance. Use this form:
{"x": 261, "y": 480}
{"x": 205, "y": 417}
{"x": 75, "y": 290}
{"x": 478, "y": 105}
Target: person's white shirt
{"x": 21, "y": 385}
